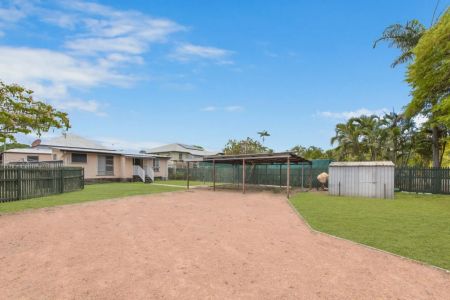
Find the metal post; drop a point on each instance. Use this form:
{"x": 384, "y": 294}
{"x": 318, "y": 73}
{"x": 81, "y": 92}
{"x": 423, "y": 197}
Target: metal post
{"x": 280, "y": 174}
{"x": 288, "y": 174}
{"x": 303, "y": 166}
{"x": 188, "y": 175}
{"x": 243, "y": 176}
{"x": 214, "y": 175}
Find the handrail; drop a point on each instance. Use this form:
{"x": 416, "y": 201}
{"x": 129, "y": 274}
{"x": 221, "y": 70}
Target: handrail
{"x": 138, "y": 171}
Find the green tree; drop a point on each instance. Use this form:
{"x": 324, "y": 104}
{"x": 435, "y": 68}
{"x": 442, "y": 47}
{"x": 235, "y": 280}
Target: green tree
{"x": 348, "y": 142}
{"x": 429, "y": 78}
{"x": 247, "y": 146}
{"x": 404, "y": 37}
{"x": 312, "y": 152}
{"x": 21, "y": 113}
{"x": 263, "y": 134}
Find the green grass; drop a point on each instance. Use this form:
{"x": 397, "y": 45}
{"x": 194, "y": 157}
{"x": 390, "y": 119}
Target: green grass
{"x": 90, "y": 193}
{"x": 415, "y": 226}
{"x": 182, "y": 182}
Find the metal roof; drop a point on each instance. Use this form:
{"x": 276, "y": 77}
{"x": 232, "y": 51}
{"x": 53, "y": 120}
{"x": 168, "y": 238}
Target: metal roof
{"x": 279, "y": 157}
{"x": 72, "y": 141}
{"x": 30, "y": 151}
{"x": 176, "y": 147}
{"x": 362, "y": 164}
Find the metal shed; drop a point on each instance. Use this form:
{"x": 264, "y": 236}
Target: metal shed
{"x": 374, "y": 179}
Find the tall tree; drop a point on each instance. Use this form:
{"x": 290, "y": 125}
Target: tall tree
{"x": 404, "y": 37}
{"x": 247, "y": 146}
{"x": 429, "y": 77}
{"x": 263, "y": 134}
{"x": 21, "y": 113}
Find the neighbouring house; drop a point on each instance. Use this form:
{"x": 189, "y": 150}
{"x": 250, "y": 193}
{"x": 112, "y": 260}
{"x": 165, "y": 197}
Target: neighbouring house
{"x": 179, "y": 154}
{"x": 100, "y": 163}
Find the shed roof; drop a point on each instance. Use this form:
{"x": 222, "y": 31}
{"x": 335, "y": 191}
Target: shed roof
{"x": 262, "y": 158}
{"x": 362, "y": 164}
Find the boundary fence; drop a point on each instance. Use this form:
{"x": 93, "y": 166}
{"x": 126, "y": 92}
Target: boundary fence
{"x": 408, "y": 179}
{"x": 255, "y": 174}
{"x": 19, "y": 182}
{"x": 423, "y": 180}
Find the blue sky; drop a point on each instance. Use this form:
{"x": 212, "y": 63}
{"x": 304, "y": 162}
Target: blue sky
{"x": 141, "y": 73}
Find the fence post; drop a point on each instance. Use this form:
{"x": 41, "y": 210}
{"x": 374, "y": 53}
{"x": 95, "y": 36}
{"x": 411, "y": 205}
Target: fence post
{"x": 62, "y": 180}
{"x": 19, "y": 183}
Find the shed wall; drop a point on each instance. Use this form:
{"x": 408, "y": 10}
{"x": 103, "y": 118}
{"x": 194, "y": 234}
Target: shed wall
{"x": 362, "y": 181}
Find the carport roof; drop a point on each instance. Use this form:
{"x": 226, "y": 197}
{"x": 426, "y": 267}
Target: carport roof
{"x": 261, "y": 158}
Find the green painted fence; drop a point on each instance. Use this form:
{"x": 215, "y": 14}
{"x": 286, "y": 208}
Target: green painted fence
{"x": 255, "y": 174}
{"x": 408, "y": 179}
{"x": 19, "y": 182}
{"x": 423, "y": 180}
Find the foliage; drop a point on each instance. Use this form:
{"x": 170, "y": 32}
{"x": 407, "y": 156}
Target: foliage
{"x": 263, "y": 134}
{"x": 13, "y": 146}
{"x": 247, "y": 146}
{"x": 412, "y": 225}
{"x": 404, "y": 37}
{"x": 312, "y": 152}
{"x": 429, "y": 78}
{"x": 390, "y": 137}
{"x": 21, "y": 113}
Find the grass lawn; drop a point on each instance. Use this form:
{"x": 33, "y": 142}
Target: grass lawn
{"x": 90, "y": 193}
{"x": 182, "y": 182}
{"x": 415, "y": 226}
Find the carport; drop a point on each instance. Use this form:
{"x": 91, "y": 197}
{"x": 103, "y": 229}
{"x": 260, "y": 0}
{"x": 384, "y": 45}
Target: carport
{"x": 280, "y": 158}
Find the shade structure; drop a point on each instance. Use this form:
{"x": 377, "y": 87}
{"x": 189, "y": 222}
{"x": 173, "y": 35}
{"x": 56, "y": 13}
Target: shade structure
{"x": 280, "y": 158}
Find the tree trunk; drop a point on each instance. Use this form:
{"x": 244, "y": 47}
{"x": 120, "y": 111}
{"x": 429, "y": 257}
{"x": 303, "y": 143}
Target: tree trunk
{"x": 435, "y": 147}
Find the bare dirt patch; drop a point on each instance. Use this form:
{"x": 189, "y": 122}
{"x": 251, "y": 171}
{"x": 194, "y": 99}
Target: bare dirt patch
{"x": 196, "y": 244}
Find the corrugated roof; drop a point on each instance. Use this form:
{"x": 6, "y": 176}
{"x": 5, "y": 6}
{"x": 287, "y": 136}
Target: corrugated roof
{"x": 361, "y": 163}
{"x": 194, "y": 150}
{"x": 29, "y": 151}
{"x": 73, "y": 141}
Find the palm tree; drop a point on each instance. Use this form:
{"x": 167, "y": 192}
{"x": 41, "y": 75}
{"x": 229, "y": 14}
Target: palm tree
{"x": 263, "y": 134}
{"x": 404, "y": 37}
{"x": 371, "y": 136}
{"x": 347, "y": 137}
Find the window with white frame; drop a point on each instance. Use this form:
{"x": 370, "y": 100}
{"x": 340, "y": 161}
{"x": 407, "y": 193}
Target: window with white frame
{"x": 156, "y": 164}
{"x": 32, "y": 158}
{"x": 105, "y": 165}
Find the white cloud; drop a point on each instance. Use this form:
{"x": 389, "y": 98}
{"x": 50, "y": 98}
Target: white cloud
{"x": 100, "y": 45}
{"x": 187, "y": 52}
{"x": 352, "y": 114}
{"x": 51, "y": 75}
{"x": 209, "y": 108}
{"x": 234, "y": 108}
{"x": 231, "y": 108}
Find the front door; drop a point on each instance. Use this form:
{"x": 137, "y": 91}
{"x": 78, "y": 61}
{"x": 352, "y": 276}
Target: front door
{"x": 138, "y": 162}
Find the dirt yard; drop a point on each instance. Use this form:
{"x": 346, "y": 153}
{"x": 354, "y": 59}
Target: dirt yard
{"x": 194, "y": 245}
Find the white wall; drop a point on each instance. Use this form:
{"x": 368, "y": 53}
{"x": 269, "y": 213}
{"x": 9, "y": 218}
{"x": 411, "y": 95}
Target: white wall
{"x": 362, "y": 181}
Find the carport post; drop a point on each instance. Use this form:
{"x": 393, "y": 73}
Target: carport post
{"x": 288, "y": 175}
{"x": 303, "y": 167}
{"x": 187, "y": 175}
{"x": 243, "y": 176}
{"x": 214, "y": 175}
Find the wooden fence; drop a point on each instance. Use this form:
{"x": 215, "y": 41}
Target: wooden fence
{"x": 19, "y": 182}
{"x": 423, "y": 180}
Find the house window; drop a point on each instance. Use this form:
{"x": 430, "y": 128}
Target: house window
{"x": 54, "y": 157}
{"x": 79, "y": 158}
{"x": 32, "y": 158}
{"x": 105, "y": 165}
{"x": 156, "y": 165}
{"x": 180, "y": 156}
